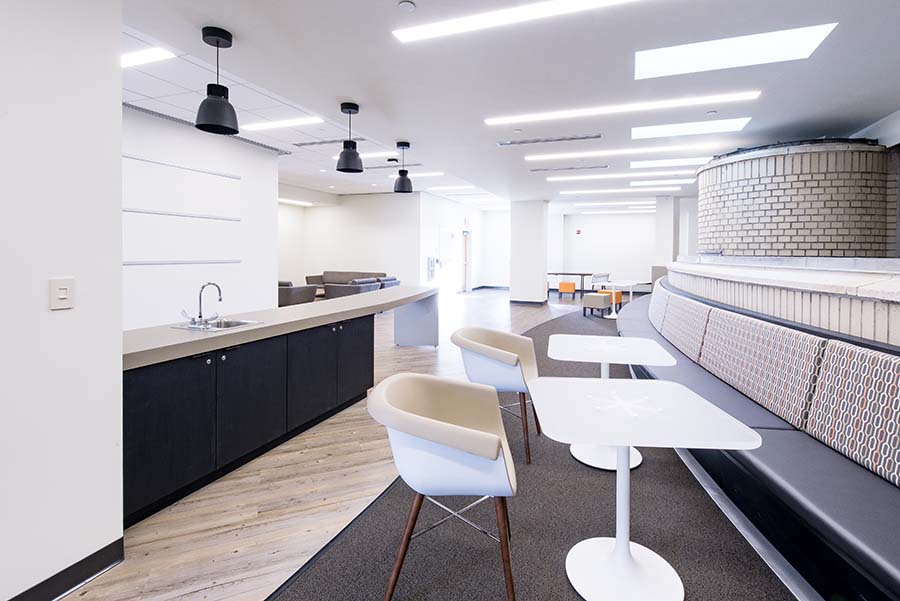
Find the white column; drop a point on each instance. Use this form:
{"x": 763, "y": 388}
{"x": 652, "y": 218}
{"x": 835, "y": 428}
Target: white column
{"x": 667, "y": 230}
{"x": 528, "y": 251}
{"x": 687, "y": 236}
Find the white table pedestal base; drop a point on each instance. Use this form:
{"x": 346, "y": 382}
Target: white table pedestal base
{"x": 600, "y": 574}
{"x": 602, "y": 457}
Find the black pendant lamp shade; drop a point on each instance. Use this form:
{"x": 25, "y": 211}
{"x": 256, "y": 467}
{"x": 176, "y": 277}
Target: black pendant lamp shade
{"x": 349, "y": 160}
{"x": 402, "y": 184}
{"x": 216, "y": 115}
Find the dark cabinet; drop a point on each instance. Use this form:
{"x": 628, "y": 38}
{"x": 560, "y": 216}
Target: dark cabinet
{"x": 250, "y": 381}
{"x": 312, "y": 374}
{"x": 356, "y": 350}
{"x": 169, "y": 428}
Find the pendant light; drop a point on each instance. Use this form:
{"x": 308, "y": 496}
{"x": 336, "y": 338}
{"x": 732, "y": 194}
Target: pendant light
{"x": 349, "y": 161}
{"x": 216, "y": 115}
{"x": 403, "y": 185}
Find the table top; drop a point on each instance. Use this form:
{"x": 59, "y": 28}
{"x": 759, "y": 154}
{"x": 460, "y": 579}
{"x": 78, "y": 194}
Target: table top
{"x": 568, "y": 273}
{"x": 608, "y": 349}
{"x": 622, "y": 283}
{"x": 640, "y": 413}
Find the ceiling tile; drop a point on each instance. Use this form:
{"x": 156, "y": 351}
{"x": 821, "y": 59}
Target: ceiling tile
{"x": 245, "y": 98}
{"x": 181, "y": 73}
{"x": 188, "y": 101}
{"x": 282, "y": 111}
{"x": 166, "y": 109}
{"x": 129, "y": 96}
{"x": 147, "y": 85}
{"x": 132, "y": 44}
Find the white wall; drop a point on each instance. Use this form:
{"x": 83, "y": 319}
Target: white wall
{"x": 365, "y": 232}
{"x": 494, "y": 249}
{"x": 622, "y": 245}
{"x": 61, "y": 371}
{"x": 528, "y": 251}
{"x": 207, "y": 212}
{"x": 441, "y": 226}
{"x": 687, "y": 224}
{"x": 667, "y": 230}
{"x": 291, "y": 264}
{"x": 556, "y": 247}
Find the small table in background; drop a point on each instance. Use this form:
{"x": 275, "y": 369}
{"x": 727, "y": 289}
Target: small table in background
{"x": 605, "y": 350}
{"x": 622, "y": 285}
{"x": 621, "y": 413}
{"x": 574, "y": 274}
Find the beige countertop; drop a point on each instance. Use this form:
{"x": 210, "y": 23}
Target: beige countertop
{"x": 147, "y": 346}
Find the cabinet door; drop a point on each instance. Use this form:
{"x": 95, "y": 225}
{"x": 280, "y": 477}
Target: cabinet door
{"x": 356, "y": 357}
{"x": 169, "y": 428}
{"x": 251, "y": 382}
{"x": 312, "y": 374}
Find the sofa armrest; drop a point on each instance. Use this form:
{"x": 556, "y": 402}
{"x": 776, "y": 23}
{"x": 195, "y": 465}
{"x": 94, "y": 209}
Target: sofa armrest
{"x": 315, "y": 280}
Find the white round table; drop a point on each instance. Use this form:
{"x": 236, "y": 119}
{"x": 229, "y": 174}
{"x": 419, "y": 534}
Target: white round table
{"x": 622, "y": 284}
{"x": 605, "y": 350}
{"x": 620, "y": 413}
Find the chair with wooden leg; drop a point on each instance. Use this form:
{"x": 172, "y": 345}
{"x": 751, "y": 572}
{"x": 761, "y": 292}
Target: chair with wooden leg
{"x": 447, "y": 438}
{"x": 502, "y": 360}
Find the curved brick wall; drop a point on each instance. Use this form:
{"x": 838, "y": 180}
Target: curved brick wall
{"x": 818, "y": 198}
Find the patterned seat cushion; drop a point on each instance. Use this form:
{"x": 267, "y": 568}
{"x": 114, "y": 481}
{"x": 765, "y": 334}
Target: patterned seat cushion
{"x": 856, "y": 407}
{"x": 658, "y": 301}
{"x": 684, "y": 325}
{"x": 773, "y": 365}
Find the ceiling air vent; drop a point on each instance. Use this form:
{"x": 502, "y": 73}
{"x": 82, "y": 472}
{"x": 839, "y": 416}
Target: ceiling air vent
{"x": 549, "y": 140}
{"x": 393, "y": 166}
{"x": 325, "y": 142}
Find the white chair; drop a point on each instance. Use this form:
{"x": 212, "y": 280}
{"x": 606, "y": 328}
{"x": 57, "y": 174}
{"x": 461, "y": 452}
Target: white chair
{"x": 598, "y": 279}
{"x": 447, "y": 438}
{"x": 502, "y": 360}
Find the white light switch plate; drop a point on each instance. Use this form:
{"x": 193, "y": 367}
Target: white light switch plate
{"x": 62, "y": 293}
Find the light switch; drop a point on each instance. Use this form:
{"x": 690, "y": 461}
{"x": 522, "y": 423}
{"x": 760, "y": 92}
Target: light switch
{"x": 62, "y": 293}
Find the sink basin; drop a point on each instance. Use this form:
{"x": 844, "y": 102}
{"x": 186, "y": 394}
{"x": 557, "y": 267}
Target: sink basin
{"x": 217, "y": 325}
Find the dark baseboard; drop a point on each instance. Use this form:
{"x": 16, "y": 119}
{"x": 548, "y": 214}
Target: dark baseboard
{"x": 76, "y": 574}
{"x": 490, "y": 288}
{"x": 534, "y": 303}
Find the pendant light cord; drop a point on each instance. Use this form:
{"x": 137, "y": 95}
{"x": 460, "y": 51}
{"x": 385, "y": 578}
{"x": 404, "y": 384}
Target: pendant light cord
{"x": 350, "y": 126}
{"x": 217, "y": 63}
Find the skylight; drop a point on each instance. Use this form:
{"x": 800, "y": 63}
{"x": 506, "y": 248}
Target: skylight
{"x": 632, "y": 107}
{"x": 728, "y": 53}
{"x": 621, "y": 190}
{"x": 663, "y": 182}
{"x": 296, "y": 122}
{"x": 621, "y": 175}
{"x": 623, "y": 203}
{"x": 144, "y": 57}
{"x": 689, "y": 162}
{"x": 501, "y": 17}
{"x": 692, "y": 128}
{"x": 621, "y": 151}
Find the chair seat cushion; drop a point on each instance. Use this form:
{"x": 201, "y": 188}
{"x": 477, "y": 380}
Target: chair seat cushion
{"x": 593, "y": 300}
{"x": 852, "y": 508}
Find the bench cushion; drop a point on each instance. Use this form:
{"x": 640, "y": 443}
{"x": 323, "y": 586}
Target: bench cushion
{"x": 633, "y": 321}
{"x": 685, "y": 324}
{"x": 773, "y": 365}
{"x": 856, "y": 407}
{"x": 658, "y": 301}
{"x": 853, "y": 509}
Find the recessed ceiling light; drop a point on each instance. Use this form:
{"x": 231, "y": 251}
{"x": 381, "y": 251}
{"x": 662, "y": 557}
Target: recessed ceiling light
{"x": 374, "y": 185}
{"x": 664, "y": 182}
{"x": 296, "y": 203}
{"x": 144, "y": 57}
{"x": 621, "y": 190}
{"x": 633, "y": 107}
{"x": 622, "y": 175}
{"x": 728, "y": 53}
{"x": 323, "y": 171}
{"x": 693, "y": 128}
{"x": 630, "y": 203}
{"x": 332, "y": 187}
{"x": 297, "y": 122}
{"x": 424, "y": 174}
{"x": 689, "y": 162}
{"x": 621, "y": 151}
{"x": 373, "y": 155}
{"x": 448, "y": 188}
{"x": 497, "y": 18}
{"x": 628, "y": 212}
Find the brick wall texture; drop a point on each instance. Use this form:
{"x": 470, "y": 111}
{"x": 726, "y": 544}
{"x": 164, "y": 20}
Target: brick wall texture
{"x": 819, "y": 203}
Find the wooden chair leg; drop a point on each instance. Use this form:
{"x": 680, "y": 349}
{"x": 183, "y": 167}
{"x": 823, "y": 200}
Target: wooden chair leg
{"x": 404, "y": 545}
{"x": 503, "y": 527}
{"x": 523, "y": 410}
{"x": 537, "y": 422}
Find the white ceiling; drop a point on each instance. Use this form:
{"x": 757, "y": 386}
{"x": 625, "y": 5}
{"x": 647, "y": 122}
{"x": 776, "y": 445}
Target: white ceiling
{"x": 436, "y": 93}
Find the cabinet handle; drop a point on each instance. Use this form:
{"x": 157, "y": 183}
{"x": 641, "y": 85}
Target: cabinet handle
{"x": 223, "y": 357}
{"x": 209, "y": 361}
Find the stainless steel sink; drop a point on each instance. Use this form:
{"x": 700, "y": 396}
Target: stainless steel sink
{"x": 216, "y": 325}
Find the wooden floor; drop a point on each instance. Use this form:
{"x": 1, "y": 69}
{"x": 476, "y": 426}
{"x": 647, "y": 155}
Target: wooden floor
{"x": 242, "y": 536}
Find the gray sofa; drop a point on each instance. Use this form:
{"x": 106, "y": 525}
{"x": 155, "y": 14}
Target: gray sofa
{"x": 288, "y": 294}
{"x": 823, "y": 488}
{"x": 345, "y": 283}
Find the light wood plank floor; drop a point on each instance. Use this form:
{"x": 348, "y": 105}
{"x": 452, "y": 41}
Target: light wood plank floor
{"x": 242, "y": 536}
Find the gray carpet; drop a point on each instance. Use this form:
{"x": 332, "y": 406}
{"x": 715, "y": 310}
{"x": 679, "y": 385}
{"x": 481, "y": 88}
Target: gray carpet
{"x": 559, "y": 503}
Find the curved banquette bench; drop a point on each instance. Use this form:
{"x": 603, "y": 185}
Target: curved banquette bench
{"x": 824, "y": 488}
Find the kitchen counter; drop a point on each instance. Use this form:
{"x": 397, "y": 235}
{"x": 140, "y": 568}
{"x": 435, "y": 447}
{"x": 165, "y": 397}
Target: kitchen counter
{"x": 415, "y": 323}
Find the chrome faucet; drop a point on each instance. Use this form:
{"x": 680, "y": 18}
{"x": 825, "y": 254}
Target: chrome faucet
{"x": 200, "y": 303}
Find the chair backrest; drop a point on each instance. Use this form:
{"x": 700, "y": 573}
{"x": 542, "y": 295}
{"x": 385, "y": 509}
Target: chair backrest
{"x": 496, "y": 358}
{"x": 773, "y": 365}
{"x": 685, "y": 325}
{"x": 446, "y": 435}
{"x": 599, "y": 277}
{"x": 856, "y": 407}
